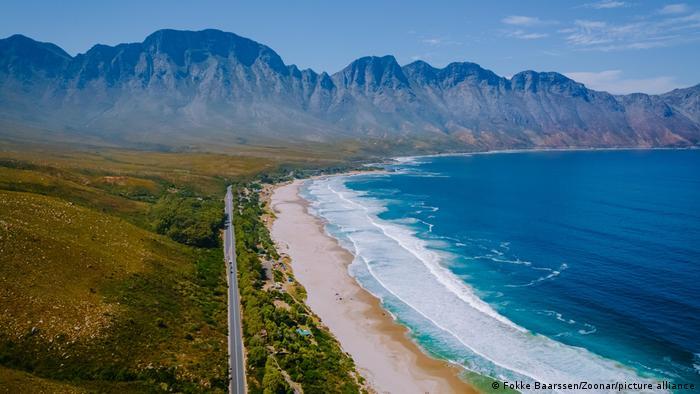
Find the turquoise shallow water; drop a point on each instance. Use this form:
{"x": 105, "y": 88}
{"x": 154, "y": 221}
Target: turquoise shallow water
{"x": 548, "y": 266}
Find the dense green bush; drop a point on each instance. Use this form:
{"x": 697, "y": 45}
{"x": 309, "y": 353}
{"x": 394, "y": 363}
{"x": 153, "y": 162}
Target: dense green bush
{"x": 272, "y": 343}
{"x": 273, "y": 381}
{"x": 189, "y": 220}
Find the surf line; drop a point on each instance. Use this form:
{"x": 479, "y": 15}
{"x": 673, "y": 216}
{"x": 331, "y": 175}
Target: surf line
{"x": 436, "y": 324}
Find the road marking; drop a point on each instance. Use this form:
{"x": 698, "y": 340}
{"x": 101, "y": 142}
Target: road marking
{"x": 235, "y": 343}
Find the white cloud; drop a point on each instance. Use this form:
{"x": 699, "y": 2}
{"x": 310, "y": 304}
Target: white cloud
{"x": 532, "y": 36}
{"x": 586, "y": 24}
{"x": 550, "y": 53}
{"x": 439, "y": 41}
{"x": 679, "y": 8}
{"x": 613, "y": 81}
{"x": 431, "y": 41}
{"x": 525, "y": 22}
{"x": 644, "y": 33}
{"x": 520, "y": 20}
{"x": 523, "y": 35}
{"x": 606, "y": 4}
{"x": 588, "y": 33}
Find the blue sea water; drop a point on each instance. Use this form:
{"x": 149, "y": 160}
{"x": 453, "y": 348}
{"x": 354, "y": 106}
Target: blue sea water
{"x": 547, "y": 266}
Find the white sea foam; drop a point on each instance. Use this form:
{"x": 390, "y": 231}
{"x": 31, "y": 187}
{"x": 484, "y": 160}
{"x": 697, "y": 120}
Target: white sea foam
{"x": 429, "y": 225}
{"x": 585, "y": 328}
{"x": 412, "y": 272}
{"x": 508, "y": 261}
{"x": 590, "y": 329}
{"x": 559, "y": 316}
{"x": 552, "y": 274}
{"x": 408, "y": 160}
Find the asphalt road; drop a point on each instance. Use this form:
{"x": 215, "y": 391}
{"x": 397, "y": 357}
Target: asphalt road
{"x": 235, "y": 339}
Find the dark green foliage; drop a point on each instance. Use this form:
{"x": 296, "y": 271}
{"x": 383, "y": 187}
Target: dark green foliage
{"x": 289, "y": 172}
{"x": 317, "y": 361}
{"x": 188, "y": 219}
{"x": 157, "y": 316}
{"x": 273, "y": 381}
{"x": 167, "y": 332}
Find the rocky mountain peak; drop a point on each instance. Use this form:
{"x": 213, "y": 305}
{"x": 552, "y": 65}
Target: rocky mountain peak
{"x": 373, "y": 72}
{"x": 23, "y": 56}
{"x": 195, "y": 84}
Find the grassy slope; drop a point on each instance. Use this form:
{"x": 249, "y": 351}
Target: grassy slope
{"x": 15, "y": 381}
{"x": 96, "y": 297}
{"x": 93, "y": 299}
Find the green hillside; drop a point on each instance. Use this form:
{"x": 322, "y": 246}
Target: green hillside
{"x": 111, "y": 270}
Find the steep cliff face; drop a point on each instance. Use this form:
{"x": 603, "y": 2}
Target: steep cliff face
{"x": 189, "y": 86}
{"x": 685, "y": 101}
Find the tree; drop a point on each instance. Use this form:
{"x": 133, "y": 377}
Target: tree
{"x": 273, "y": 381}
{"x": 188, "y": 220}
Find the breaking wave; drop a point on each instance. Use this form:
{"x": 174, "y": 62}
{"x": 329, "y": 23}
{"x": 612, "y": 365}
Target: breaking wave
{"x": 411, "y": 277}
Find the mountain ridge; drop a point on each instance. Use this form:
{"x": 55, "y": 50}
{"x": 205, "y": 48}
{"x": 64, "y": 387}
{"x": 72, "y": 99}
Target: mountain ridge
{"x": 209, "y": 85}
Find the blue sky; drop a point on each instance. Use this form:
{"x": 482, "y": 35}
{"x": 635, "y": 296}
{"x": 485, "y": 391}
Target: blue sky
{"x": 615, "y": 45}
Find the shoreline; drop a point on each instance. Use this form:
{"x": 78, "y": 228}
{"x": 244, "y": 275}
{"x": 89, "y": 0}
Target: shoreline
{"x": 383, "y": 352}
{"x": 538, "y": 150}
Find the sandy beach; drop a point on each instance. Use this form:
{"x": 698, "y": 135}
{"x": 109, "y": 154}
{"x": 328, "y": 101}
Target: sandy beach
{"x": 384, "y": 355}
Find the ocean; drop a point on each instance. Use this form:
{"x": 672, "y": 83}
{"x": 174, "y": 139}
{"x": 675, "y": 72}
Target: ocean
{"x": 535, "y": 266}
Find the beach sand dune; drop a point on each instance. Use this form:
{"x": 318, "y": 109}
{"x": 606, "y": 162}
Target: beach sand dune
{"x": 384, "y": 355}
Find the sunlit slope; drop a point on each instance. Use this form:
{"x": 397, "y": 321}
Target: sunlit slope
{"x": 80, "y": 189}
{"x": 128, "y": 173}
{"x": 14, "y": 381}
{"x": 92, "y": 297}
{"x": 89, "y": 296}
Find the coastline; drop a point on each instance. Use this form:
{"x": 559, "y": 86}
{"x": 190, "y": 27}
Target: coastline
{"x": 539, "y": 150}
{"x": 384, "y": 354}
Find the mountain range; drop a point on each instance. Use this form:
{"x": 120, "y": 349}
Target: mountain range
{"x": 187, "y": 87}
